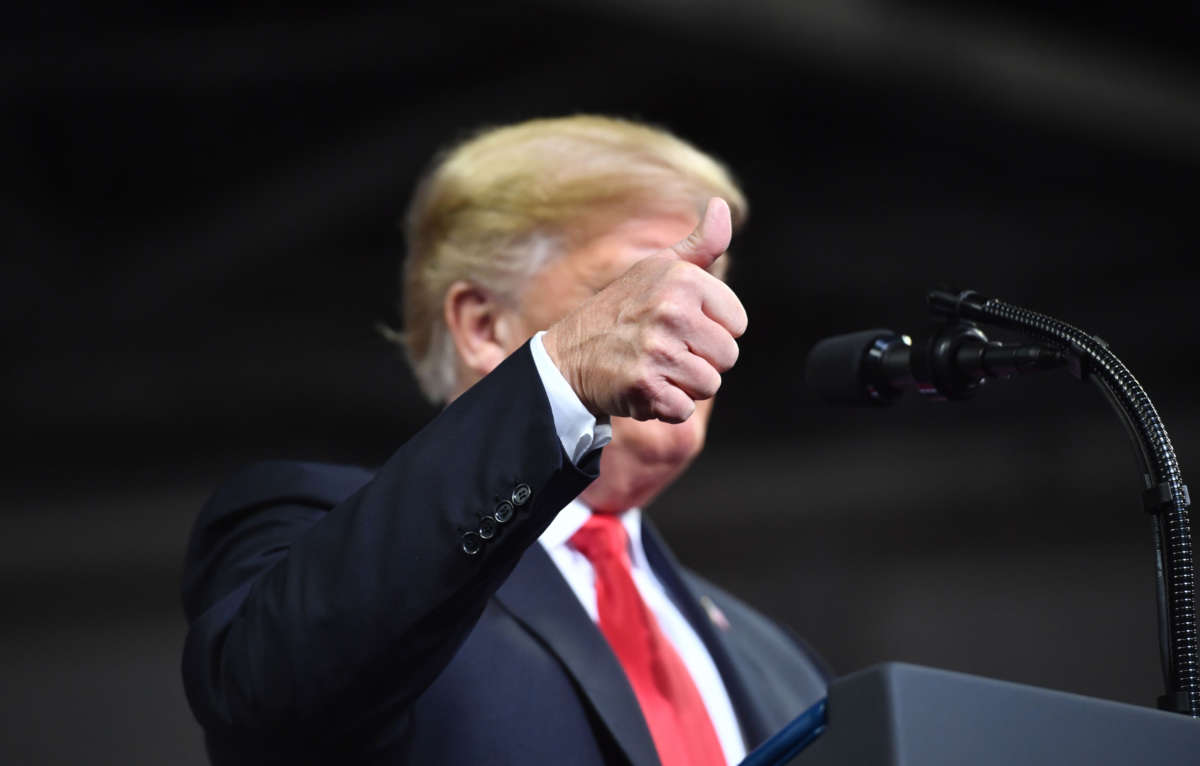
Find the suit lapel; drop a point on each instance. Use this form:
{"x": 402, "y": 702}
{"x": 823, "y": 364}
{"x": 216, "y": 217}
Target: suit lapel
{"x": 753, "y": 720}
{"x": 538, "y": 597}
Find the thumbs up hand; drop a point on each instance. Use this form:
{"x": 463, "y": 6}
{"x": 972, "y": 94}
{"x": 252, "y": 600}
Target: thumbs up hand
{"x": 655, "y": 340}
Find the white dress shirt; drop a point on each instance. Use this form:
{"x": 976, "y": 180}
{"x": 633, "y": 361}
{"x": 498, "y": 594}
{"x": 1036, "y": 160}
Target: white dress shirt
{"x": 580, "y": 434}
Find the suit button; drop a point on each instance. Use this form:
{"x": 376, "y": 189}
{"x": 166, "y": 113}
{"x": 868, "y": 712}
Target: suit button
{"x": 520, "y": 494}
{"x": 471, "y": 543}
{"x": 503, "y": 512}
{"x": 487, "y": 527}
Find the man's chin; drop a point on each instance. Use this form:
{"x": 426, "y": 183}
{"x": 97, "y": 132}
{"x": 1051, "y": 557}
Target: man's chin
{"x": 631, "y": 479}
{"x": 669, "y": 445}
{"x": 643, "y": 459}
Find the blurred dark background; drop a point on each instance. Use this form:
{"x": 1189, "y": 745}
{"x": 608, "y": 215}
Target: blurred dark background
{"x": 199, "y": 235}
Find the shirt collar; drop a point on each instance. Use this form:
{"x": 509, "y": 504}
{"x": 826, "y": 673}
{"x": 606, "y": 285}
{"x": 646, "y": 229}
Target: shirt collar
{"x": 570, "y": 519}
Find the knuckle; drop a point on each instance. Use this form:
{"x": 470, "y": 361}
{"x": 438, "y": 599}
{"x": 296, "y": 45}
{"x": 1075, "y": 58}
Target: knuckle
{"x": 656, "y": 349}
{"x": 710, "y": 385}
{"x": 675, "y": 311}
{"x": 644, "y": 387}
{"x": 716, "y": 385}
{"x": 731, "y": 356}
{"x": 675, "y": 413}
{"x": 661, "y": 407}
{"x": 741, "y": 321}
{"x": 671, "y": 311}
{"x": 669, "y": 403}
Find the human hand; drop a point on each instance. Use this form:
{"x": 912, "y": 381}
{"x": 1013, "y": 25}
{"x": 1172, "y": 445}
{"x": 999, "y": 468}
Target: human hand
{"x": 655, "y": 340}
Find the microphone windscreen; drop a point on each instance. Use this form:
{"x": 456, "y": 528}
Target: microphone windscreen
{"x": 834, "y": 368}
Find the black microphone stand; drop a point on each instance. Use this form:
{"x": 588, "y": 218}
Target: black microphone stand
{"x": 1165, "y": 497}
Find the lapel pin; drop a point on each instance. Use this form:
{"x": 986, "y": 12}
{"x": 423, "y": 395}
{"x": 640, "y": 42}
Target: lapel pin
{"x": 714, "y": 613}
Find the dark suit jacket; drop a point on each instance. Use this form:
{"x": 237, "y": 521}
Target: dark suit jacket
{"x": 335, "y": 616}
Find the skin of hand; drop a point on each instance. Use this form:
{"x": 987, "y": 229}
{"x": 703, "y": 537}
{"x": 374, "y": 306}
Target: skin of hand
{"x": 655, "y": 340}
{"x": 637, "y": 326}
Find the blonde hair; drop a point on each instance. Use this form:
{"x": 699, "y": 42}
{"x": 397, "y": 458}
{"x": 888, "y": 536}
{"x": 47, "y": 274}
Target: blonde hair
{"x": 496, "y": 208}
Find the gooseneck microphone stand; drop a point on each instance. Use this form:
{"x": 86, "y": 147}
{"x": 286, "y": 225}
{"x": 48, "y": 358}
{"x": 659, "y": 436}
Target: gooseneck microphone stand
{"x": 894, "y": 713}
{"x": 1165, "y": 497}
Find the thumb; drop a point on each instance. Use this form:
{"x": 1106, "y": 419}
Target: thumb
{"x": 711, "y": 236}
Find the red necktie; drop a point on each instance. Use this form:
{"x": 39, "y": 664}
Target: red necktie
{"x": 679, "y": 723}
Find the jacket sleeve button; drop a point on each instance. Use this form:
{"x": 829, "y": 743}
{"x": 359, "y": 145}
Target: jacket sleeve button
{"x": 487, "y": 527}
{"x": 503, "y": 511}
{"x": 521, "y": 494}
{"x": 472, "y": 543}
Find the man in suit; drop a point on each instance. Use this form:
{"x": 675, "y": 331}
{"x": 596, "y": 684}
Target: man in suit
{"x": 492, "y": 594}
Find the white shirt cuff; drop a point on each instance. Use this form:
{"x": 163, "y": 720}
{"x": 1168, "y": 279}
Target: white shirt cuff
{"x": 577, "y": 428}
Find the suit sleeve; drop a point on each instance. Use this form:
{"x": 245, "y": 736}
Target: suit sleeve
{"x": 308, "y": 613}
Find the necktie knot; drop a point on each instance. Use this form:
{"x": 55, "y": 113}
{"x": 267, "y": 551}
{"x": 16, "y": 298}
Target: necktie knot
{"x": 602, "y": 540}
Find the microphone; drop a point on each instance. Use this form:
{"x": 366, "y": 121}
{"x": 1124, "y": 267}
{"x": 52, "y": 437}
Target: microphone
{"x": 874, "y": 367}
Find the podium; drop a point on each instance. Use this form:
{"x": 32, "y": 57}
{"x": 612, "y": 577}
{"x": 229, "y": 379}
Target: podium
{"x": 906, "y": 715}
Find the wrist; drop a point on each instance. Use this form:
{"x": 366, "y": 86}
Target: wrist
{"x": 556, "y": 342}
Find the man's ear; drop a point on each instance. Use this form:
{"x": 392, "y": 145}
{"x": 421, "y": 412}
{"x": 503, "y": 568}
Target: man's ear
{"x": 483, "y": 328}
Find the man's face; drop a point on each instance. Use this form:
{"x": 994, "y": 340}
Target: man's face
{"x": 644, "y": 456}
